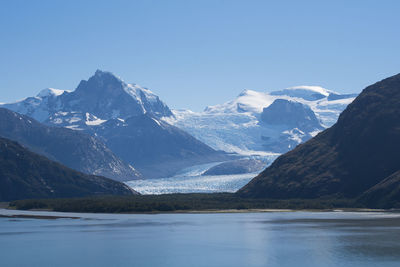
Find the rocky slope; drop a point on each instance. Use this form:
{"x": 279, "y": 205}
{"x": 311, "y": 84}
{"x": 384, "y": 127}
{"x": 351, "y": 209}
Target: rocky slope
{"x": 386, "y": 194}
{"x": 292, "y": 114}
{"x": 24, "y": 174}
{"x": 157, "y": 148}
{"x": 359, "y": 152}
{"x": 74, "y": 149}
{"x": 103, "y": 96}
{"x": 115, "y": 112}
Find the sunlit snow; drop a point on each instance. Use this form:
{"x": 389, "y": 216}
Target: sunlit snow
{"x": 235, "y": 125}
{"x": 190, "y": 180}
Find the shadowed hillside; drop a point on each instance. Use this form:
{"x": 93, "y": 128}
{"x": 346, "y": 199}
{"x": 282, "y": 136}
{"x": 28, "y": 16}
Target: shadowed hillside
{"x": 24, "y": 174}
{"x": 358, "y": 152}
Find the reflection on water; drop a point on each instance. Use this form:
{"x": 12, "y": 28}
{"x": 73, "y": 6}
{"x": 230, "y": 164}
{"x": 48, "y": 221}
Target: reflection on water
{"x": 250, "y": 239}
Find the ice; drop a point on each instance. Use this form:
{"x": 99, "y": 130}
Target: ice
{"x": 192, "y": 184}
{"x": 51, "y": 92}
{"x": 191, "y": 180}
{"x": 235, "y": 127}
{"x": 93, "y": 120}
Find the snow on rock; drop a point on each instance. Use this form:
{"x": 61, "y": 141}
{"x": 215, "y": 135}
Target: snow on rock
{"x": 305, "y": 92}
{"x": 93, "y": 120}
{"x": 247, "y": 101}
{"x": 50, "y": 92}
{"x": 235, "y": 126}
{"x": 103, "y": 95}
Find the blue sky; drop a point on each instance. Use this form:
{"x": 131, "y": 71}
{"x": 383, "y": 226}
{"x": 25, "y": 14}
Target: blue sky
{"x": 198, "y": 53}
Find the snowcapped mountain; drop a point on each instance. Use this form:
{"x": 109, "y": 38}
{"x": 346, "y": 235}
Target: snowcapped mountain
{"x": 104, "y": 96}
{"x": 74, "y": 149}
{"x": 264, "y": 123}
{"x": 126, "y": 117}
{"x": 310, "y": 93}
{"x": 50, "y": 92}
{"x": 290, "y": 114}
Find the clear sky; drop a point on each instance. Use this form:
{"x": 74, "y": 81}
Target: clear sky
{"x": 198, "y": 53}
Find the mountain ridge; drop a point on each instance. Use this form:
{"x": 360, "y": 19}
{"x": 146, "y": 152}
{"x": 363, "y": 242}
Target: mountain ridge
{"x": 74, "y": 149}
{"x": 106, "y": 101}
{"x": 352, "y": 156}
{"x": 236, "y": 126}
{"x": 24, "y": 174}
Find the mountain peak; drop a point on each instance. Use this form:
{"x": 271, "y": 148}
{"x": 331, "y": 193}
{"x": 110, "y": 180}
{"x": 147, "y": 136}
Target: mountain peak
{"x": 99, "y": 72}
{"x": 314, "y": 88}
{"x": 350, "y": 158}
{"x": 305, "y": 92}
{"x": 106, "y": 76}
{"x": 50, "y": 92}
{"x": 246, "y": 92}
{"x": 102, "y": 73}
{"x": 292, "y": 114}
{"x": 103, "y": 83}
{"x": 107, "y": 96}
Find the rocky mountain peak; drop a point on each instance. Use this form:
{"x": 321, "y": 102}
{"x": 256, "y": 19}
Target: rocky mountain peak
{"x": 102, "y": 82}
{"x": 107, "y": 96}
{"x": 292, "y": 114}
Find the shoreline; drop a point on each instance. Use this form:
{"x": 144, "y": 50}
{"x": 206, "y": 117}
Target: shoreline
{"x": 32, "y": 216}
{"x": 222, "y": 211}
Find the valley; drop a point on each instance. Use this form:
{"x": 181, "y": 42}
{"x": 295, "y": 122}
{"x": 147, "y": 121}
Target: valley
{"x": 141, "y": 141}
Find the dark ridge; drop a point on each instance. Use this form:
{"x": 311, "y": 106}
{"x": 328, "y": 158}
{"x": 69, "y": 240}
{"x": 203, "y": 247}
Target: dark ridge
{"x": 352, "y": 156}
{"x": 74, "y": 149}
{"x": 24, "y": 174}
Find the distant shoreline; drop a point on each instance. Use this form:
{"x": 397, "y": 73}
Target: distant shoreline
{"x": 50, "y": 216}
{"x": 32, "y": 216}
{"x": 196, "y": 203}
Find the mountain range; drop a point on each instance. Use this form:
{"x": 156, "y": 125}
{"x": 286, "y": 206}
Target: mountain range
{"x": 74, "y": 149}
{"x": 102, "y": 97}
{"x": 358, "y": 157}
{"x": 124, "y": 131}
{"x": 126, "y": 118}
{"x": 110, "y": 128}
{"x": 264, "y": 123}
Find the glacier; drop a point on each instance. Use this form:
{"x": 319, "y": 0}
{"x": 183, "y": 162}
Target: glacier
{"x": 235, "y": 126}
{"x": 262, "y": 124}
{"x": 191, "y": 180}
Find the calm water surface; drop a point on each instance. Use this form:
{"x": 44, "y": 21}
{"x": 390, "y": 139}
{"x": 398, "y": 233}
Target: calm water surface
{"x": 182, "y": 240}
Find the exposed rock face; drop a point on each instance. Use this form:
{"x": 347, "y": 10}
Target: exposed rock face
{"x": 74, "y": 149}
{"x": 290, "y": 114}
{"x": 104, "y": 96}
{"x": 115, "y": 112}
{"x": 154, "y": 146}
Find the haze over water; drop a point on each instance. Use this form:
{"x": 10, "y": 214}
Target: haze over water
{"x": 241, "y": 239}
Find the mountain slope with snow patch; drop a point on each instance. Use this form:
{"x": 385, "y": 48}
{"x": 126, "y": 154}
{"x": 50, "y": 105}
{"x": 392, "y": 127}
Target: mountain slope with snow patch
{"x": 236, "y": 126}
{"x": 112, "y": 110}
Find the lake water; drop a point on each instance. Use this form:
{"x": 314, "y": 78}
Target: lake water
{"x": 189, "y": 240}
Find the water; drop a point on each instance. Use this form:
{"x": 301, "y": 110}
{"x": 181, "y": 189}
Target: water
{"x": 180, "y": 240}
{"x": 191, "y": 180}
